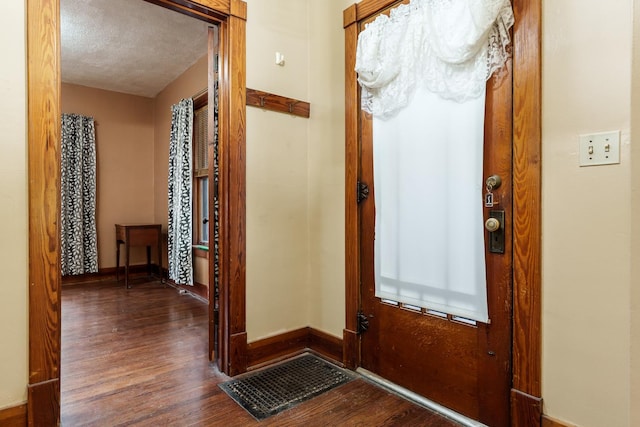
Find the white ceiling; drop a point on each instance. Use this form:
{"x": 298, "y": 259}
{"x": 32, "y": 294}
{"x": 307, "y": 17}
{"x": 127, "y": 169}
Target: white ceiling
{"x": 128, "y": 46}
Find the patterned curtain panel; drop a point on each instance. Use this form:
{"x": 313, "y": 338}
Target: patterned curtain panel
{"x": 180, "y": 227}
{"x": 216, "y": 202}
{"x": 79, "y": 243}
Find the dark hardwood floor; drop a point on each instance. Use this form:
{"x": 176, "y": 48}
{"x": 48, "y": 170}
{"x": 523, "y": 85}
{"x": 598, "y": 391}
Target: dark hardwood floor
{"x": 137, "y": 357}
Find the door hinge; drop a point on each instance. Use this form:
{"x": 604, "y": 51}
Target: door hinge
{"x": 362, "y": 192}
{"x": 363, "y": 322}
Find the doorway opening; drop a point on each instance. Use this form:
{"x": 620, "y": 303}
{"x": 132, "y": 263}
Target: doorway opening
{"x": 125, "y": 64}
{"x": 43, "y": 35}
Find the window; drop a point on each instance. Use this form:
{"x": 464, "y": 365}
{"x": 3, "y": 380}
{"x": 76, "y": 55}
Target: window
{"x": 200, "y": 171}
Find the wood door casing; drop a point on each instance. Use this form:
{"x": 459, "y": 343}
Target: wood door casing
{"x": 43, "y": 140}
{"x": 526, "y": 119}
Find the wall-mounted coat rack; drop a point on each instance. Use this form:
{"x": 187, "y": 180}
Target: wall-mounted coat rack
{"x": 269, "y": 101}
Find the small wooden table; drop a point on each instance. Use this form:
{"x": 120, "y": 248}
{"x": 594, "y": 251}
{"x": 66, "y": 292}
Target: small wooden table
{"x": 137, "y": 235}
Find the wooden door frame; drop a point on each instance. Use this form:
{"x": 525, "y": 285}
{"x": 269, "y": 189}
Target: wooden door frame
{"x": 526, "y": 392}
{"x": 43, "y": 141}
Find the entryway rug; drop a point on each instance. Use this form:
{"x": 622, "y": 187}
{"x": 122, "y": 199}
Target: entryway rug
{"x": 276, "y": 388}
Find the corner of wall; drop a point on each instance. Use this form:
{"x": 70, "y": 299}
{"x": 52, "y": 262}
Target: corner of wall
{"x": 635, "y": 225}
{"x": 277, "y": 156}
{"x": 326, "y": 166}
{"x": 14, "y": 292}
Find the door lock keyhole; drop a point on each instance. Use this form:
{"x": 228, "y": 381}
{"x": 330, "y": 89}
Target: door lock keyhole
{"x": 495, "y": 226}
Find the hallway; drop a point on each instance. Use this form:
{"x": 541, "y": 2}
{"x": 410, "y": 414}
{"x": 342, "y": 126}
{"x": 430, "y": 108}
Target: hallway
{"x": 137, "y": 357}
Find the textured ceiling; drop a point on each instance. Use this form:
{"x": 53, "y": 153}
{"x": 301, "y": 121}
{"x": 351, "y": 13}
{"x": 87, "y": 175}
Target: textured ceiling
{"x": 128, "y": 46}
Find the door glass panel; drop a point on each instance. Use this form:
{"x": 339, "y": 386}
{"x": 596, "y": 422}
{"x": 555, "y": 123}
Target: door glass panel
{"x": 429, "y": 238}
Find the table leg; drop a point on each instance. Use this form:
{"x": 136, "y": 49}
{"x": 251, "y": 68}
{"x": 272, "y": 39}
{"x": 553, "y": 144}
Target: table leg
{"x": 126, "y": 265}
{"x": 160, "y": 258}
{"x": 117, "y": 261}
{"x": 149, "y": 260}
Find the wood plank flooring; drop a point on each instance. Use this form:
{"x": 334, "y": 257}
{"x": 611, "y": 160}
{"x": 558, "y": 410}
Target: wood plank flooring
{"x": 137, "y": 357}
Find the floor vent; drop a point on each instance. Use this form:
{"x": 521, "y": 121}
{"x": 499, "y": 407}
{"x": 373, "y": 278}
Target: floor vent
{"x": 274, "y": 389}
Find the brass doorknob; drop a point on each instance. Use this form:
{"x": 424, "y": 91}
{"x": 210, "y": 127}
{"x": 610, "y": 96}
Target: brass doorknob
{"x": 492, "y": 224}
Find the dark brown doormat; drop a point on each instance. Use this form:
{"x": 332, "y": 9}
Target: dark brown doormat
{"x": 274, "y": 389}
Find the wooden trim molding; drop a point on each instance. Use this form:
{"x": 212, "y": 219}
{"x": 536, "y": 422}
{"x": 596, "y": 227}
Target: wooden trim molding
{"x": 277, "y": 103}
{"x": 43, "y": 82}
{"x": 238, "y": 9}
{"x": 349, "y": 16}
{"x": 526, "y": 410}
{"x": 43, "y": 403}
{"x": 200, "y": 253}
{"x": 199, "y": 290}
{"x": 366, "y": 9}
{"x": 43, "y": 139}
{"x": 201, "y": 99}
{"x": 15, "y": 416}
{"x": 351, "y": 353}
{"x": 288, "y": 344}
{"x": 547, "y": 421}
{"x": 526, "y": 402}
{"x": 232, "y": 190}
{"x": 277, "y": 347}
{"x": 212, "y": 11}
{"x": 326, "y": 345}
{"x": 527, "y": 199}
{"x": 109, "y": 273}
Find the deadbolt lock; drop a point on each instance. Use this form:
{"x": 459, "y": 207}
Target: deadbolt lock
{"x": 493, "y": 182}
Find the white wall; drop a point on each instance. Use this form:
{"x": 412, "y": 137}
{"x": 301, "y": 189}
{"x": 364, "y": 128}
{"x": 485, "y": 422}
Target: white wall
{"x": 635, "y": 224}
{"x": 13, "y": 216}
{"x": 277, "y": 231}
{"x": 326, "y": 166}
{"x": 295, "y": 169}
{"x": 586, "y": 213}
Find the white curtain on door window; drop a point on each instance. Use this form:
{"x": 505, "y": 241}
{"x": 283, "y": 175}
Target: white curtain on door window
{"x": 423, "y": 72}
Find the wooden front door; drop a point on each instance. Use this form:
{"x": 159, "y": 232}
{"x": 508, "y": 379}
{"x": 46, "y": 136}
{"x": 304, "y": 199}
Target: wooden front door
{"x": 462, "y": 366}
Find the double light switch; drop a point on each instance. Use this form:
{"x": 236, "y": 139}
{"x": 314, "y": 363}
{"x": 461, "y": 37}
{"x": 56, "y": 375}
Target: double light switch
{"x": 600, "y": 148}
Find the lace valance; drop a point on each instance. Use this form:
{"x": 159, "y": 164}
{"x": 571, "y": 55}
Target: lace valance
{"x": 451, "y": 47}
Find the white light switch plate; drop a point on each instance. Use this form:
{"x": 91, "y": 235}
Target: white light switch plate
{"x": 600, "y": 148}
